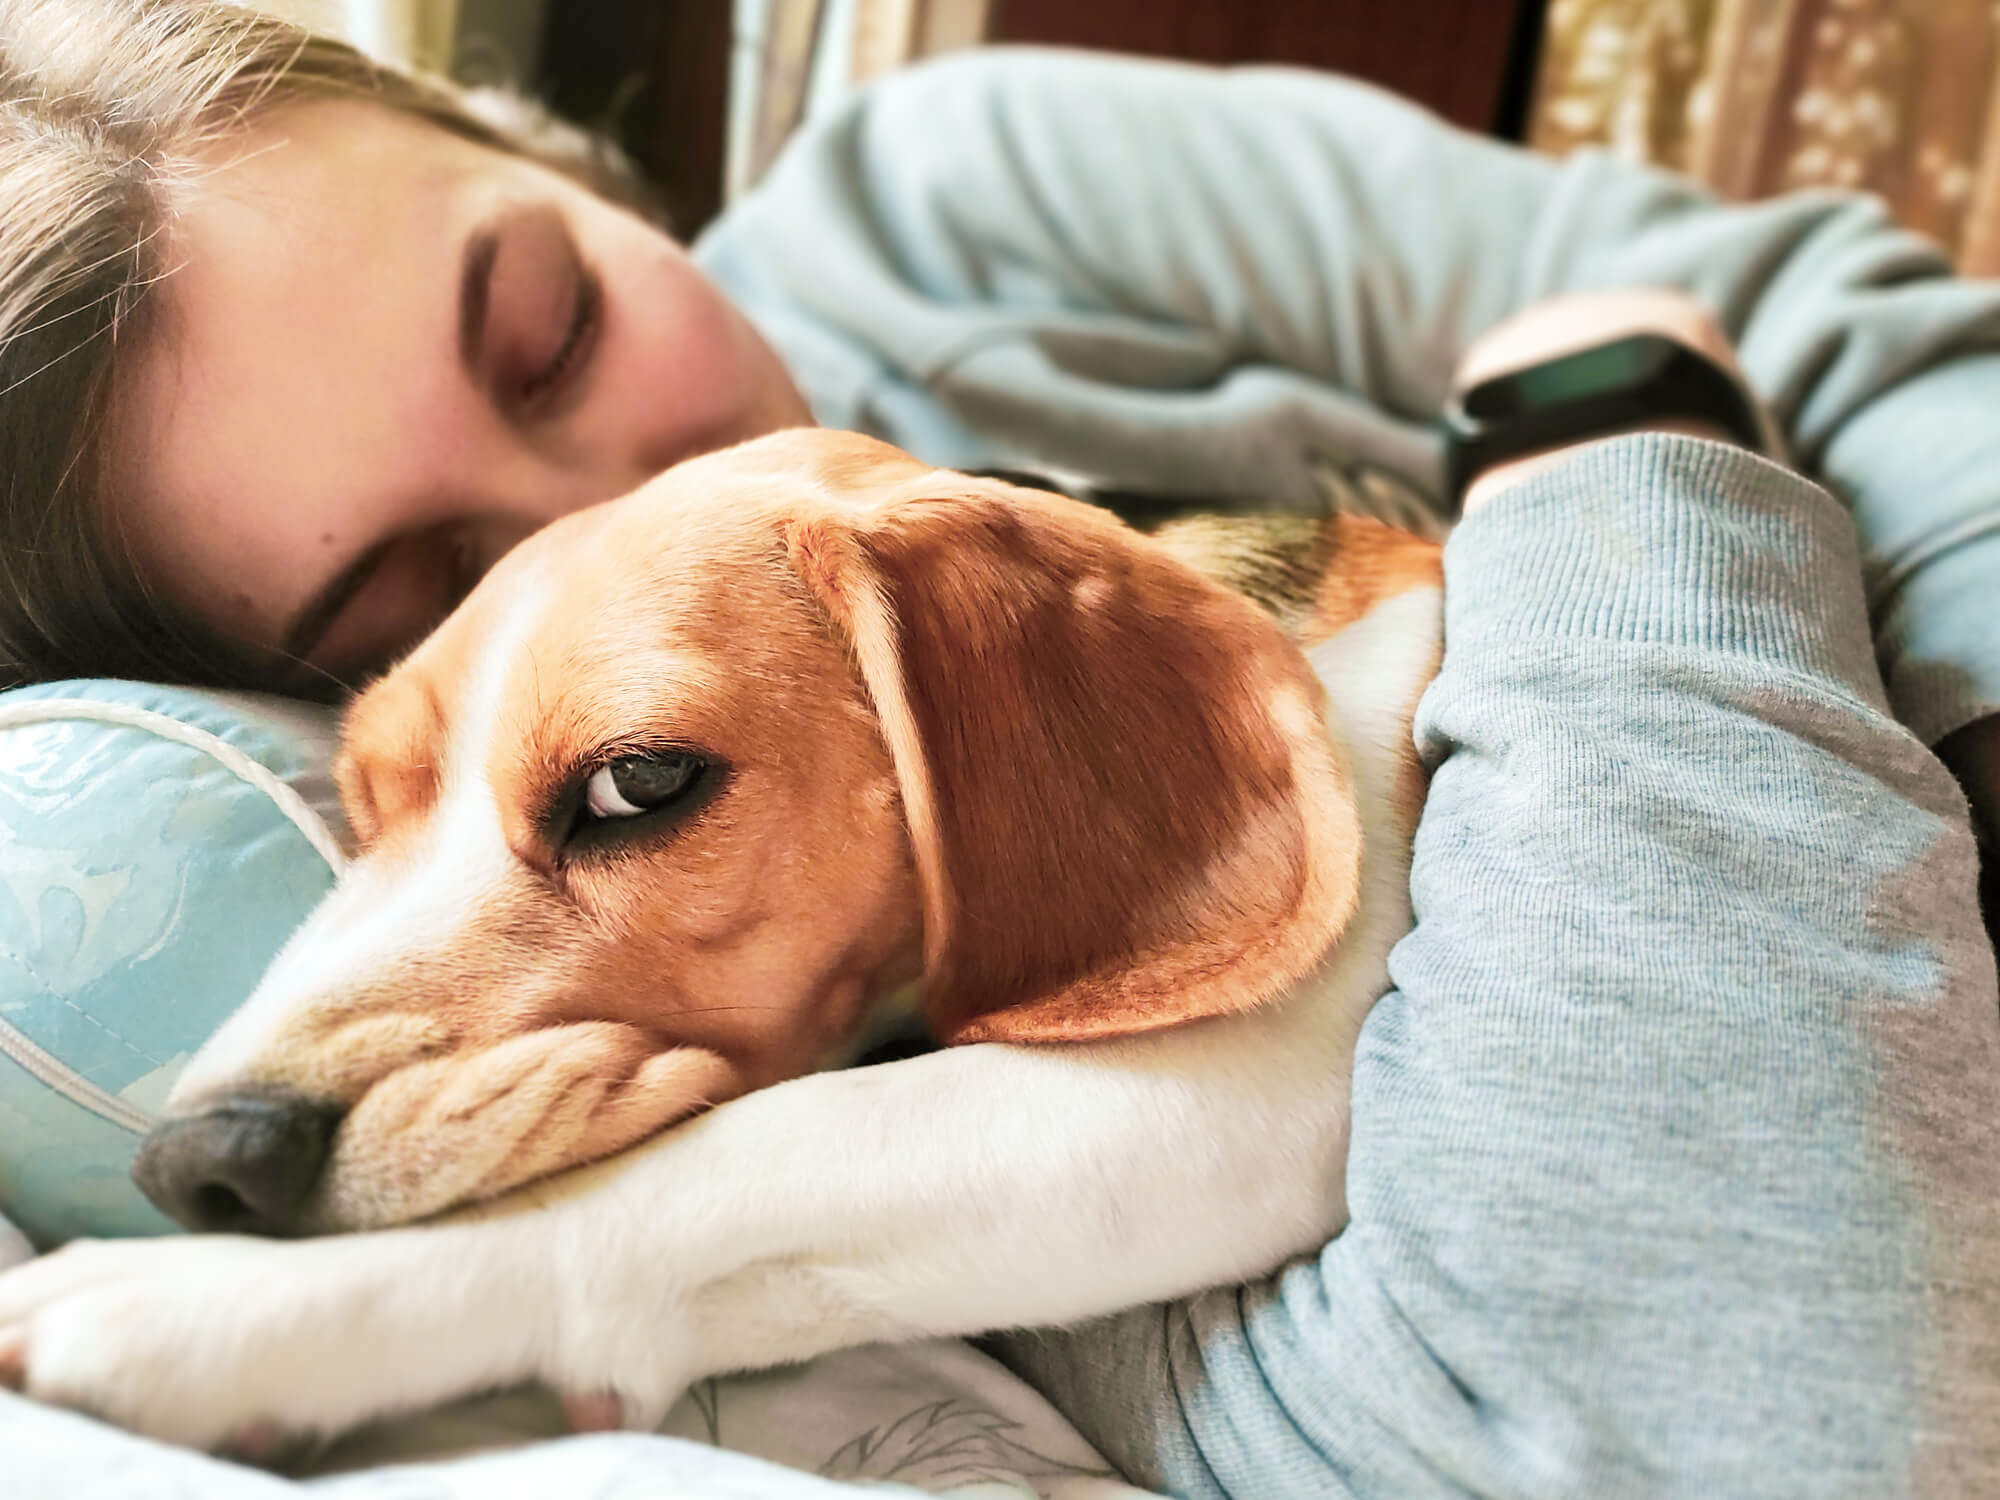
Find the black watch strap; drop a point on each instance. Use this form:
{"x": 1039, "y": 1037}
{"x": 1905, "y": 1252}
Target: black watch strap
{"x": 1610, "y": 387}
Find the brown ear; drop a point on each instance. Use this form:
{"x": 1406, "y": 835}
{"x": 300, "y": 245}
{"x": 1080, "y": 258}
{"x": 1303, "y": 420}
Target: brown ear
{"x": 1125, "y": 811}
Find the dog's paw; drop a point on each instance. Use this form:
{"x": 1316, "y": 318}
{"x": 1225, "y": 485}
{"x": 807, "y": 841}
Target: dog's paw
{"x": 207, "y": 1342}
{"x": 252, "y": 1346}
{"x": 156, "y": 1336}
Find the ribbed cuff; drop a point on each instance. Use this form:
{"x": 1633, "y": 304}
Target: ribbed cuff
{"x": 1668, "y": 540}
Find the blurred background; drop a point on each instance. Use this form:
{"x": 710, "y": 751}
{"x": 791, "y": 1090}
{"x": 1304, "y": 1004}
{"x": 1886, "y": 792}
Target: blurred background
{"x": 1751, "y": 96}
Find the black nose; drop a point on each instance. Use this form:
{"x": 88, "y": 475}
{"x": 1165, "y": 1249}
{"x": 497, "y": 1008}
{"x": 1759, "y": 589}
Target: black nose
{"x": 246, "y": 1166}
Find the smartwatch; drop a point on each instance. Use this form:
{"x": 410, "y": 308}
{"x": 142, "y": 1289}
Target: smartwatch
{"x": 1634, "y": 381}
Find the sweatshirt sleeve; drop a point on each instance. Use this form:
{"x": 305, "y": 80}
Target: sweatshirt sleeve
{"x": 1202, "y": 281}
{"x": 1674, "y": 1164}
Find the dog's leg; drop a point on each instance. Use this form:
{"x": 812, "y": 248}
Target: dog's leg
{"x": 978, "y": 1188}
{"x": 987, "y": 1188}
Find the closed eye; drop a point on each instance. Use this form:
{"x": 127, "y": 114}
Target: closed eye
{"x": 530, "y": 311}
{"x": 394, "y": 595}
{"x": 545, "y": 384}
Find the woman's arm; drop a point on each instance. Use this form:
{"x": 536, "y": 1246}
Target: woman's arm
{"x": 1216, "y": 282}
{"x": 1674, "y": 1166}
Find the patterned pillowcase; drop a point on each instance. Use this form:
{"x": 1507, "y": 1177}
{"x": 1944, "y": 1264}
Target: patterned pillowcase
{"x": 157, "y": 846}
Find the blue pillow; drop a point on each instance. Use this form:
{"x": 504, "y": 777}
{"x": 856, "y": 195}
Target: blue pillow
{"x": 157, "y": 847}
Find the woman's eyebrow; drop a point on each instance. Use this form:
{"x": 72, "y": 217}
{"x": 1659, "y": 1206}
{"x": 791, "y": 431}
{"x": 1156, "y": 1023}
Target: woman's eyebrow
{"x": 315, "y": 619}
{"x": 475, "y": 278}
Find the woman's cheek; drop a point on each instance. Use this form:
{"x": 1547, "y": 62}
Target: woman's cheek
{"x": 682, "y": 366}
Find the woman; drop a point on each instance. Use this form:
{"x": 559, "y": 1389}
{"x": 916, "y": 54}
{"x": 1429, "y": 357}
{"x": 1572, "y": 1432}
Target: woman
{"x": 350, "y": 405}
{"x": 1670, "y": 1154}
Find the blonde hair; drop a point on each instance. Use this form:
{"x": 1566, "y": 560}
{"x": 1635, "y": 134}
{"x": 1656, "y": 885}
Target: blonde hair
{"x": 103, "y": 104}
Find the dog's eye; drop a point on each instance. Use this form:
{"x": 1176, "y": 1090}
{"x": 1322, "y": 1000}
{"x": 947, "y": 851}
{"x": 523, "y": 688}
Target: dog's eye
{"x": 634, "y": 784}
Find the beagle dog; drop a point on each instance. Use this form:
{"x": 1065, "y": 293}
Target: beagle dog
{"x": 693, "y": 785}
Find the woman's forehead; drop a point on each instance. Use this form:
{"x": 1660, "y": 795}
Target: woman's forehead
{"x": 299, "y": 145}
{"x": 319, "y": 191}
{"x": 306, "y": 262}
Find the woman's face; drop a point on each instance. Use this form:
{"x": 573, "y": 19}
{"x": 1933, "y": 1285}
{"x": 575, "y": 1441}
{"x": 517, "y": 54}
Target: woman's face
{"x": 385, "y": 354}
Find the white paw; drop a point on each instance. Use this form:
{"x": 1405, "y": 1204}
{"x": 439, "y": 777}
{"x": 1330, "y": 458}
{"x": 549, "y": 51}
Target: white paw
{"x": 223, "y": 1342}
{"x": 151, "y": 1335}
{"x": 209, "y": 1341}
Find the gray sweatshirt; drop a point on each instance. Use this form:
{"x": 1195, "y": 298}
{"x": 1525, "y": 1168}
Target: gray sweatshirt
{"x": 1675, "y": 1167}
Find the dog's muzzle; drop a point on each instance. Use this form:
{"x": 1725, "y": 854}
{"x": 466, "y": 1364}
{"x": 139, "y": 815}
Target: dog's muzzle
{"x": 246, "y": 1166}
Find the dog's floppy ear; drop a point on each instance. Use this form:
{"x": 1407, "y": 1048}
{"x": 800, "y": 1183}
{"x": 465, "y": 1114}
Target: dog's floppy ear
{"x": 1125, "y": 811}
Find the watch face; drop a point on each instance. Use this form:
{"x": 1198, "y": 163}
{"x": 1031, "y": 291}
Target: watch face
{"x": 1617, "y": 366}
{"x": 1640, "y": 380}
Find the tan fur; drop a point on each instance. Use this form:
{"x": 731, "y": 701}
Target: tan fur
{"x": 1367, "y": 562}
{"x": 1275, "y": 560}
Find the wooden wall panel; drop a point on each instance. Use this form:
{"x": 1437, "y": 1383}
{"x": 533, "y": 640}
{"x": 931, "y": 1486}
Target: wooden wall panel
{"x": 653, "y": 75}
{"x": 1449, "y": 54}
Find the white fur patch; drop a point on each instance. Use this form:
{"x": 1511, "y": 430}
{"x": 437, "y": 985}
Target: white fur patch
{"x": 383, "y": 911}
{"x": 1370, "y": 670}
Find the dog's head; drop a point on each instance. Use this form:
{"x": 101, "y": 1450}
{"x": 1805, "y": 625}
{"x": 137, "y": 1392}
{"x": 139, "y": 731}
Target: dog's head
{"x": 693, "y": 778}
